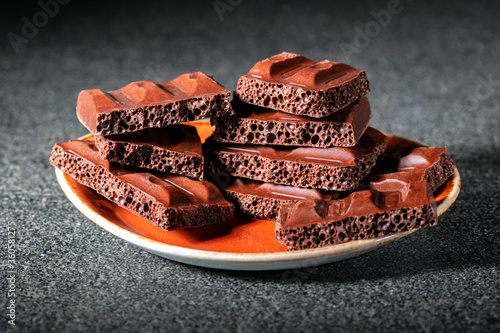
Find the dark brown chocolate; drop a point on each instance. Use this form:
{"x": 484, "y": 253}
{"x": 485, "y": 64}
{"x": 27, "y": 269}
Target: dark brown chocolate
{"x": 334, "y": 169}
{"x": 264, "y": 200}
{"x": 396, "y": 197}
{"x": 294, "y": 84}
{"x": 175, "y": 149}
{"x": 168, "y": 201}
{"x": 256, "y": 125}
{"x": 145, "y": 104}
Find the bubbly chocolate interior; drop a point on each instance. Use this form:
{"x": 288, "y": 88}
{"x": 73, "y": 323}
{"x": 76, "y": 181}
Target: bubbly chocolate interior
{"x": 335, "y": 169}
{"x": 294, "y": 84}
{"x": 391, "y": 193}
{"x": 146, "y": 104}
{"x": 256, "y": 125}
{"x": 334, "y": 156}
{"x": 171, "y": 190}
{"x": 395, "y": 197}
{"x": 391, "y": 205}
{"x": 168, "y": 201}
{"x": 175, "y": 149}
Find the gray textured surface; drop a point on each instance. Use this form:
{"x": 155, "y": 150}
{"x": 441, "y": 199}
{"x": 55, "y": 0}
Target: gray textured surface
{"x": 427, "y": 69}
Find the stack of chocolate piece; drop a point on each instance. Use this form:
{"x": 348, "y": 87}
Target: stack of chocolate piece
{"x": 295, "y": 141}
{"x": 142, "y": 158}
{"x": 299, "y": 146}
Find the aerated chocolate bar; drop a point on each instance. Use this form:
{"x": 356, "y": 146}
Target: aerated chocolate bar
{"x": 434, "y": 164}
{"x": 255, "y": 125}
{"x": 264, "y": 200}
{"x": 294, "y": 84}
{"x": 175, "y": 149}
{"x": 168, "y": 201}
{"x": 386, "y": 203}
{"x": 146, "y": 104}
{"x": 334, "y": 169}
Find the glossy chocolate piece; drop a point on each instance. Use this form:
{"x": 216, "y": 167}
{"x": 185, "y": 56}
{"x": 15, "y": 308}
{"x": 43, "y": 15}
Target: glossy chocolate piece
{"x": 396, "y": 197}
{"x": 334, "y": 169}
{"x": 175, "y": 149}
{"x": 294, "y": 84}
{"x": 434, "y": 163}
{"x": 264, "y": 200}
{"x": 145, "y": 104}
{"x": 255, "y": 125}
{"x": 168, "y": 201}
{"x": 390, "y": 207}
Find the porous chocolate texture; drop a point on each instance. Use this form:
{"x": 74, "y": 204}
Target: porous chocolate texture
{"x": 168, "y": 201}
{"x": 395, "y": 197}
{"x": 294, "y": 84}
{"x": 389, "y": 207}
{"x": 145, "y": 104}
{"x": 334, "y": 169}
{"x": 264, "y": 200}
{"x": 175, "y": 149}
{"x": 255, "y": 125}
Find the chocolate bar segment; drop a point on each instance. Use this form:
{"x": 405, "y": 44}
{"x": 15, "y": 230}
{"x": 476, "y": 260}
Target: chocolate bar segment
{"x": 395, "y": 197}
{"x": 434, "y": 163}
{"x": 256, "y": 125}
{"x": 294, "y": 84}
{"x": 168, "y": 201}
{"x": 392, "y": 205}
{"x": 334, "y": 169}
{"x": 264, "y": 200}
{"x": 145, "y": 104}
{"x": 175, "y": 149}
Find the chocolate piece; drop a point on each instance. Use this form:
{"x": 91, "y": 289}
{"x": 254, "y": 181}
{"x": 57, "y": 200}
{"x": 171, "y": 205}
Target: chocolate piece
{"x": 257, "y": 125}
{"x": 175, "y": 149}
{"x": 392, "y": 205}
{"x": 264, "y": 200}
{"x": 294, "y": 84}
{"x": 434, "y": 163}
{"x": 168, "y": 201}
{"x": 146, "y": 104}
{"x": 334, "y": 169}
{"x": 396, "y": 197}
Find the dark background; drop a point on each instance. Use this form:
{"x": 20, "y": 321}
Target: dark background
{"x": 435, "y": 78}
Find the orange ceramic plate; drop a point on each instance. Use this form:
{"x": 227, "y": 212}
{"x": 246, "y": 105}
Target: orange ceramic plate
{"x": 242, "y": 243}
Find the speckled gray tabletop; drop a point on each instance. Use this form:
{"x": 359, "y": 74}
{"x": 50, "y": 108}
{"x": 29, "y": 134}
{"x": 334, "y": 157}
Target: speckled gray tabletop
{"x": 435, "y": 78}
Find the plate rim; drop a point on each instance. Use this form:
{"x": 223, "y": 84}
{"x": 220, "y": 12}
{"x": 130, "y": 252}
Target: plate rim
{"x": 245, "y": 260}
